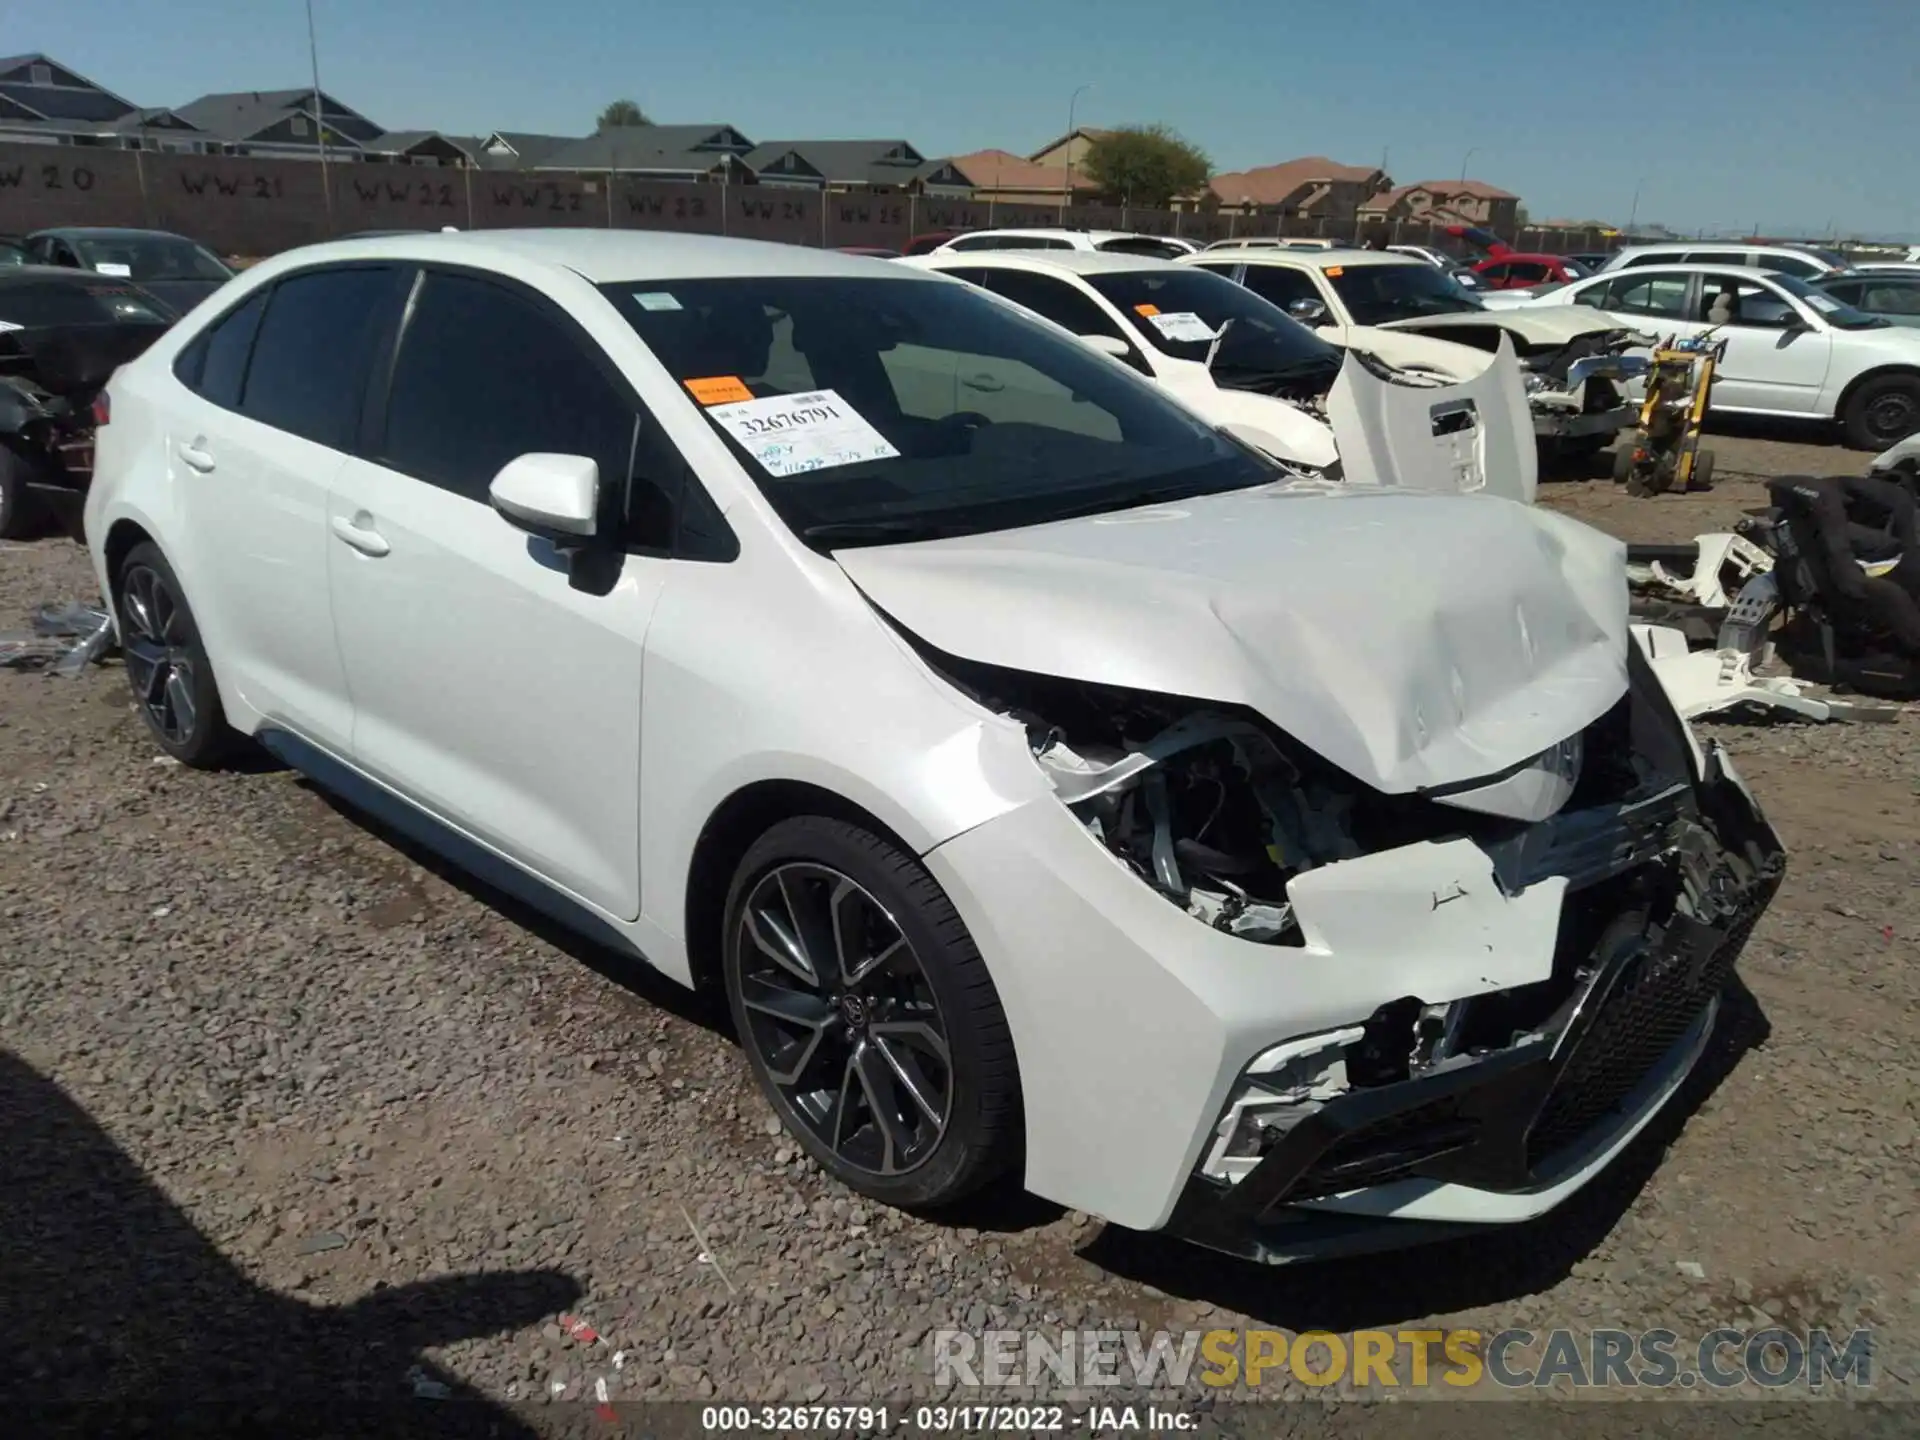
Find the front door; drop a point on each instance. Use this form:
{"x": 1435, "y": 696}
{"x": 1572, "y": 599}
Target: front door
{"x": 489, "y": 686}
{"x": 1775, "y": 359}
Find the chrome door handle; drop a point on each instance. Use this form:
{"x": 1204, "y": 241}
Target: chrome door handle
{"x": 196, "y": 458}
{"x": 367, "y": 542}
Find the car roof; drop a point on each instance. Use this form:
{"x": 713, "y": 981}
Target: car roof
{"x": 604, "y": 257}
{"x": 1065, "y": 232}
{"x": 1685, "y": 267}
{"x": 1319, "y": 259}
{"x": 1074, "y": 262}
{"x": 1740, "y": 247}
{"x": 117, "y": 232}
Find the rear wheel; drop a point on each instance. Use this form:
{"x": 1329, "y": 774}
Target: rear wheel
{"x": 868, "y": 1016}
{"x": 167, "y": 666}
{"x": 1882, "y": 412}
{"x": 1702, "y": 476}
{"x": 1622, "y": 462}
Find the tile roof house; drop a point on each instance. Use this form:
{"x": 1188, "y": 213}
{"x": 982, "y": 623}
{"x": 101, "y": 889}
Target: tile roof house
{"x": 1311, "y": 187}
{"x": 1002, "y": 175}
{"x": 45, "y": 102}
{"x": 1447, "y": 202}
{"x": 285, "y": 123}
{"x": 869, "y": 166}
{"x": 1070, "y": 148}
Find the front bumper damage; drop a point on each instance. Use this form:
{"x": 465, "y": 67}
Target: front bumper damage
{"x": 1577, "y": 395}
{"x": 1522, "y": 1127}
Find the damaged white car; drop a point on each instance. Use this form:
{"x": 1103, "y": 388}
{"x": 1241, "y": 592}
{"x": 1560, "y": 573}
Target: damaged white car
{"x": 1246, "y": 366}
{"x": 1037, "y": 770}
{"x": 1576, "y": 368}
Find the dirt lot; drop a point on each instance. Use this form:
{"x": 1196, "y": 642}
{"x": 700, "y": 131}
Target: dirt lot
{"x": 289, "y": 1109}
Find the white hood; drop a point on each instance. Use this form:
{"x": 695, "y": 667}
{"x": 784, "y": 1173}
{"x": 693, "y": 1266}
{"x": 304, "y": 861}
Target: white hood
{"x": 1533, "y": 324}
{"x": 1414, "y": 640}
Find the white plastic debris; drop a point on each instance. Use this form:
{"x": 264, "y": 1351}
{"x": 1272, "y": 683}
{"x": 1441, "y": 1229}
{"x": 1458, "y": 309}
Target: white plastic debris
{"x": 1707, "y": 682}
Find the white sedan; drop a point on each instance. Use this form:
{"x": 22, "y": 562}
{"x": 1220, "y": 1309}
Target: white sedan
{"x": 1044, "y": 777}
{"x": 1792, "y": 350}
{"x": 1243, "y": 363}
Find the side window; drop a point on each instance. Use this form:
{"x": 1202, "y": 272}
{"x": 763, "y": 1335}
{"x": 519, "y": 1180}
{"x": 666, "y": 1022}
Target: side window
{"x": 485, "y": 374}
{"x": 1717, "y": 257}
{"x": 1055, "y": 299}
{"x": 308, "y": 374}
{"x": 1884, "y": 299}
{"x": 1847, "y": 292}
{"x": 1663, "y": 295}
{"x": 215, "y": 364}
{"x": 1749, "y": 306}
{"x": 1495, "y": 275}
{"x": 1639, "y": 260}
{"x": 1281, "y": 284}
{"x": 1528, "y": 272}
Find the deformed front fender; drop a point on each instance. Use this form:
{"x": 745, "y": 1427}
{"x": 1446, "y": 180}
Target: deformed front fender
{"x": 1476, "y": 434}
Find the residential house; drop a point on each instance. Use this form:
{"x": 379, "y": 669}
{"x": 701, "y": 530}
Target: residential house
{"x": 875, "y": 167}
{"x": 1448, "y": 202}
{"x": 1000, "y": 175}
{"x": 290, "y": 124}
{"x": 1069, "y": 149}
{"x": 656, "y": 152}
{"x": 1309, "y": 188}
{"x": 45, "y": 102}
{"x": 424, "y": 147}
{"x": 519, "y": 149}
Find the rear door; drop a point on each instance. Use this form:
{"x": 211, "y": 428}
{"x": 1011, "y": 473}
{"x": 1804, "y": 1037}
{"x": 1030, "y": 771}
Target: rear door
{"x": 491, "y": 686}
{"x": 271, "y": 398}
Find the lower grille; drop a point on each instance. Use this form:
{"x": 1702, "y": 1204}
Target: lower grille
{"x": 1649, "y": 1010}
{"x": 1387, "y": 1149}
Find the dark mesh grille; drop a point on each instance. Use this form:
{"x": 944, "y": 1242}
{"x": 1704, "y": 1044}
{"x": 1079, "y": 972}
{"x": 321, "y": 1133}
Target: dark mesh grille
{"x": 1650, "y": 1008}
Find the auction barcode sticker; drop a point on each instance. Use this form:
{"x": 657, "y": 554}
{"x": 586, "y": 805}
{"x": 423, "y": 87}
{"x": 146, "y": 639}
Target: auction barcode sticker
{"x": 792, "y": 434}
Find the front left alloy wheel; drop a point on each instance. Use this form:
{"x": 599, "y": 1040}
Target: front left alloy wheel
{"x": 868, "y": 1016}
{"x": 167, "y": 666}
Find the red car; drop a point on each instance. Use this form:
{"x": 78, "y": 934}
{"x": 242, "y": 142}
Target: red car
{"x": 1512, "y": 270}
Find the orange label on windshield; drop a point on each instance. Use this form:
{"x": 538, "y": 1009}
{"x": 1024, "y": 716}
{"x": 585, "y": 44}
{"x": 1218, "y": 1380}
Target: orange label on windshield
{"x": 1336, "y": 269}
{"x": 1147, "y": 310}
{"x": 718, "y": 390}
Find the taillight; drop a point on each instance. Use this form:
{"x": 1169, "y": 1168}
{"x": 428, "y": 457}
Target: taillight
{"x": 102, "y": 408}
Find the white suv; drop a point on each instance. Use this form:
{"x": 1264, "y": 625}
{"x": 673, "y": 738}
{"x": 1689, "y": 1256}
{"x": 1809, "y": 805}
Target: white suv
{"x": 1804, "y": 262}
{"x": 1112, "y": 242}
{"x": 1042, "y": 775}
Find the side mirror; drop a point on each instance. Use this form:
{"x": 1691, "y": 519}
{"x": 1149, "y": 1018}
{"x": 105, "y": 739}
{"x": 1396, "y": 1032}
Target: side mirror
{"x": 1109, "y": 345}
{"x": 1308, "y": 312}
{"x": 554, "y": 497}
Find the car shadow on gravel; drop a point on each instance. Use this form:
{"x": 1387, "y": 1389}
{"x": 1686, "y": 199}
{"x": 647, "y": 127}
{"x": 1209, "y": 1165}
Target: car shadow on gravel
{"x": 117, "y": 1314}
{"x": 605, "y": 957}
{"x": 1375, "y": 1291}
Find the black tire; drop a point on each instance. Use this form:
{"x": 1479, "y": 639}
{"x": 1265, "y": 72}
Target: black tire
{"x": 1882, "y": 412}
{"x": 1622, "y": 462}
{"x": 167, "y": 667}
{"x": 22, "y": 517}
{"x": 845, "y": 1050}
{"x": 1702, "y": 476}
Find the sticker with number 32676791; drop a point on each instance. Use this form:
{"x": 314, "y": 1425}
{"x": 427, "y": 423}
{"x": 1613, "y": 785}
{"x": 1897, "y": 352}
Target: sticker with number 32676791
{"x": 796, "y": 434}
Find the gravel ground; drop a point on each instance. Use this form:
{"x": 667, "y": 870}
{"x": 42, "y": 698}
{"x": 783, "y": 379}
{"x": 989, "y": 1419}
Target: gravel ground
{"x": 290, "y": 1109}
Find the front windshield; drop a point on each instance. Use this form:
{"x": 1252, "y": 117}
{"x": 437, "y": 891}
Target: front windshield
{"x": 878, "y": 410}
{"x": 1836, "y": 313}
{"x": 1376, "y": 294}
{"x": 12, "y": 252}
{"x": 1180, "y": 311}
{"x": 149, "y": 257}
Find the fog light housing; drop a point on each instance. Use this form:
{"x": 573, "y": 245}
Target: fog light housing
{"x": 1276, "y": 1092}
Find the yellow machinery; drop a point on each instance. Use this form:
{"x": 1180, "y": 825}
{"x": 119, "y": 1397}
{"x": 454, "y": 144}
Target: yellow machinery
{"x": 1664, "y": 452}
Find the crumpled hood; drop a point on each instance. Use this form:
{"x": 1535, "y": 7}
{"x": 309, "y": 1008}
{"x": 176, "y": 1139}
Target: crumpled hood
{"x": 1535, "y": 325}
{"x": 1412, "y": 639}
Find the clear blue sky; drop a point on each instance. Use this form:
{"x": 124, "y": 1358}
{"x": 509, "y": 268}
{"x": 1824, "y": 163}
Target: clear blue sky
{"x": 1781, "y": 112}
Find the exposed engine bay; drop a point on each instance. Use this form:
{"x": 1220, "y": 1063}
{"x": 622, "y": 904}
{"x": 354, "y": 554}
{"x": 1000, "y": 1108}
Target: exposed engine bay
{"x": 1219, "y": 813}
